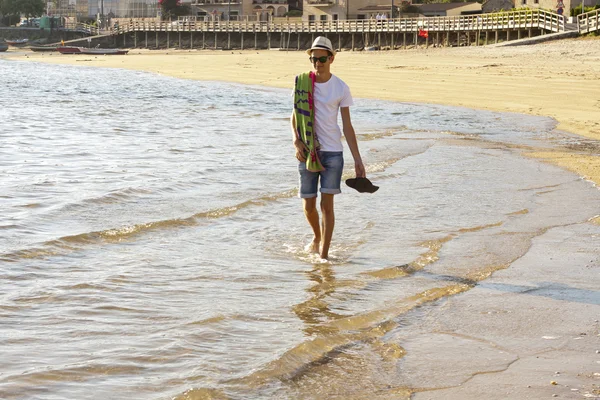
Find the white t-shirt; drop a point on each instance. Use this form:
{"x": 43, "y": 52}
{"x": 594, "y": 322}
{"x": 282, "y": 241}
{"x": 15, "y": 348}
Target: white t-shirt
{"x": 329, "y": 97}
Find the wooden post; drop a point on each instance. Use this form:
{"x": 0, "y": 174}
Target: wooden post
{"x": 215, "y": 40}
{"x": 437, "y": 38}
{"x": 157, "y": 39}
{"x": 228, "y": 39}
{"x": 124, "y": 40}
{"x": 404, "y": 40}
{"x": 242, "y": 40}
{"x": 179, "y": 40}
{"x": 392, "y": 41}
{"x": 191, "y": 40}
{"x": 168, "y": 41}
{"x": 468, "y": 38}
{"x": 529, "y": 32}
{"x": 203, "y": 40}
{"x": 379, "y": 40}
{"x": 518, "y": 34}
{"x": 477, "y": 38}
{"x": 269, "y": 40}
{"x": 507, "y": 35}
{"x": 487, "y": 34}
{"x": 352, "y": 41}
{"x": 255, "y": 41}
{"x": 146, "y": 39}
{"x": 298, "y": 40}
{"x": 134, "y": 40}
{"x": 496, "y": 39}
{"x": 427, "y": 42}
{"x": 339, "y": 41}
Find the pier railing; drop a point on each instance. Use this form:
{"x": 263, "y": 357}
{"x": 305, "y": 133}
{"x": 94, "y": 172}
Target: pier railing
{"x": 84, "y": 28}
{"x": 527, "y": 19}
{"x": 588, "y": 22}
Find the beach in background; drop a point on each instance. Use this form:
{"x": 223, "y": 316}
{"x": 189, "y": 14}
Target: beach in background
{"x": 559, "y": 79}
{"x": 153, "y": 245}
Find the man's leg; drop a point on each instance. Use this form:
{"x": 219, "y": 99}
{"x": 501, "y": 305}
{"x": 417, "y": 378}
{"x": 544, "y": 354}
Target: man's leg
{"x": 312, "y": 216}
{"x": 327, "y": 223}
{"x": 308, "y": 191}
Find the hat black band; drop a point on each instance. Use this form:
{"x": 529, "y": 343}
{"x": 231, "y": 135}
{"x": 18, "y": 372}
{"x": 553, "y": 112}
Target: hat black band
{"x": 322, "y": 47}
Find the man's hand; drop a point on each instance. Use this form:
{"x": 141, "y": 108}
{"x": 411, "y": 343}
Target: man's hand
{"x": 301, "y": 150}
{"x": 359, "y": 168}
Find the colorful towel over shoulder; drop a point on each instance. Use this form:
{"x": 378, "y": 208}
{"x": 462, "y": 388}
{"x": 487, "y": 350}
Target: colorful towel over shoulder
{"x": 305, "y": 117}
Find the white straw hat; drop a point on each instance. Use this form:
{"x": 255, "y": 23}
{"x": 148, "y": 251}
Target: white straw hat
{"x": 321, "y": 43}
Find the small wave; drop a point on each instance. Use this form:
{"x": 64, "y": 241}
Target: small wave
{"x": 73, "y": 243}
{"x": 212, "y": 320}
{"x": 365, "y": 327}
{"x": 77, "y": 373}
{"x": 87, "y": 286}
{"x": 201, "y": 394}
{"x": 11, "y": 226}
{"x": 377, "y": 135}
{"x": 32, "y": 205}
{"x": 117, "y": 196}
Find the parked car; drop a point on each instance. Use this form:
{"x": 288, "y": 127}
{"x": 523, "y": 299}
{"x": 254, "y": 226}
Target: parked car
{"x": 30, "y": 23}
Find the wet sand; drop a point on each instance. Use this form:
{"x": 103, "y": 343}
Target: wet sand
{"x": 530, "y": 330}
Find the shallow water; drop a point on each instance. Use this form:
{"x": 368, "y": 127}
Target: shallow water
{"x": 152, "y": 245}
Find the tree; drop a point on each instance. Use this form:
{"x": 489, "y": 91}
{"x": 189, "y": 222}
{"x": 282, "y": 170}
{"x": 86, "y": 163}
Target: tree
{"x": 32, "y": 8}
{"x": 172, "y": 8}
{"x": 407, "y": 8}
{"x": 11, "y": 10}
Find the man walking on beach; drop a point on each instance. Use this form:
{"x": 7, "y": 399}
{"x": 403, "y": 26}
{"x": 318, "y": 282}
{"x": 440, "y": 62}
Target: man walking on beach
{"x": 318, "y": 97}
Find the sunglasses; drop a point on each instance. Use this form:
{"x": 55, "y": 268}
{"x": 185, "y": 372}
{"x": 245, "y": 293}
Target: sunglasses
{"x": 322, "y": 60}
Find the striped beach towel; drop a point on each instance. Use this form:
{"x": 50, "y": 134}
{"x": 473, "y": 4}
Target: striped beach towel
{"x": 304, "y": 110}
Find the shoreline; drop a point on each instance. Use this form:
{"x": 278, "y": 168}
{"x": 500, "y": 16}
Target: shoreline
{"x": 527, "y": 328}
{"x": 559, "y": 79}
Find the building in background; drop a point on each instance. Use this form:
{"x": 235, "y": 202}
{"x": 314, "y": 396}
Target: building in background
{"x": 329, "y": 10}
{"x": 449, "y": 9}
{"x": 87, "y": 9}
{"x": 490, "y": 6}
{"x": 235, "y": 10}
{"x": 567, "y": 5}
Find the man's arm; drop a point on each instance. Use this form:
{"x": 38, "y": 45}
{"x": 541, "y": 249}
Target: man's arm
{"x": 352, "y": 143}
{"x": 298, "y": 144}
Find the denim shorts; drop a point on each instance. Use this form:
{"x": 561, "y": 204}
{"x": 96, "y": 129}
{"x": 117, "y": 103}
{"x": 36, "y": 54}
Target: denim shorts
{"x": 331, "y": 178}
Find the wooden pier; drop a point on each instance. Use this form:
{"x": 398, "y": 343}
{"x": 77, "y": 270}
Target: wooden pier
{"x": 588, "y": 22}
{"x": 468, "y": 30}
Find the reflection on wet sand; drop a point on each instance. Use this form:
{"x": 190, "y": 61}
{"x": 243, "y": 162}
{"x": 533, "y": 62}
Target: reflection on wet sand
{"x": 315, "y": 311}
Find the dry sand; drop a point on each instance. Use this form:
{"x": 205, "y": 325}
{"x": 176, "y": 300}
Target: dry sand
{"x": 559, "y": 79}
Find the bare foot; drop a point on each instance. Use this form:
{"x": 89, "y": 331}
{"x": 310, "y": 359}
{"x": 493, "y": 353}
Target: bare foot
{"x": 314, "y": 246}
